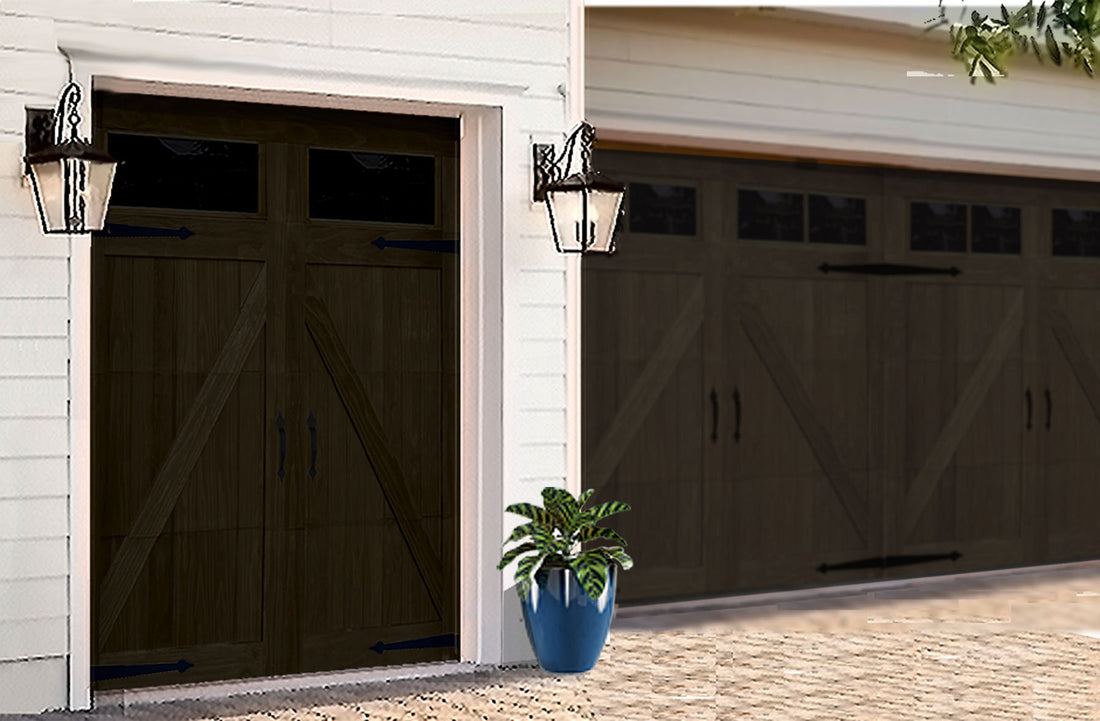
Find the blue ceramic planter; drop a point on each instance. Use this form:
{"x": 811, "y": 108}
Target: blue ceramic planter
{"x": 567, "y": 629}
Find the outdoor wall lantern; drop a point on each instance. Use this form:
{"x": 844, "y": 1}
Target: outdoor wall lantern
{"x": 71, "y": 179}
{"x": 584, "y": 207}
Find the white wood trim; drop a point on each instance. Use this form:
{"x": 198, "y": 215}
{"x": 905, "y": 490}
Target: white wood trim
{"x": 481, "y": 331}
{"x": 80, "y": 447}
{"x": 573, "y": 412}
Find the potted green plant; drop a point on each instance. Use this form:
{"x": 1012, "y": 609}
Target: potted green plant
{"x": 568, "y": 594}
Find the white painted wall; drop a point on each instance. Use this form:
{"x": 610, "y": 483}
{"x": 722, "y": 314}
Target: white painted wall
{"x": 511, "y": 55}
{"x": 795, "y": 82}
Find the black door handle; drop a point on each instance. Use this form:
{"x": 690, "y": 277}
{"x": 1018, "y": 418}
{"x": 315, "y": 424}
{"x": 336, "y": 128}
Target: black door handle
{"x": 736, "y": 416}
{"x": 311, "y": 423}
{"x": 714, "y": 416}
{"x": 1046, "y": 392}
{"x": 1027, "y": 395}
{"x": 281, "y": 425}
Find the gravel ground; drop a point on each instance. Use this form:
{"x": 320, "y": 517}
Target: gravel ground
{"x": 1013, "y": 647}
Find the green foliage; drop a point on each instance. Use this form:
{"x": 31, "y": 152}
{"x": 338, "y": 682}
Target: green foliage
{"x": 555, "y": 534}
{"x": 1066, "y": 30}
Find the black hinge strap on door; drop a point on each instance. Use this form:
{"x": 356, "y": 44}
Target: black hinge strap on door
{"x": 311, "y": 423}
{"x": 888, "y": 561}
{"x": 281, "y": 425}
{"x": 714, "y": 416}
{"x": 105, "y": 673}
{"x": 736, "y": 416}
{"x": 887, "y": 269}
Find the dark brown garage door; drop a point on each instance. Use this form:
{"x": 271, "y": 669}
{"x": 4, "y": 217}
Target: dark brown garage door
{"x": 275, "y": 392}
{"x": 807, "y": 375}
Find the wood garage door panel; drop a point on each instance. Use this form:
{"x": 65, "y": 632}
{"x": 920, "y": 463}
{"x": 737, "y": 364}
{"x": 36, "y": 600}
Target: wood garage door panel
{"x": 1071, "y": 490}
{"x": 202, "y": 581}
{"x": 951, "y": 331}
{"x": 646, "y": 421}
{"x": 354, "y": 546}
{"x": 799, "y": 472}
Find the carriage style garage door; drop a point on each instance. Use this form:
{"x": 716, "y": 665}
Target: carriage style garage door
{"x": 805, "y": 374}
{"x": 274, "y": 433}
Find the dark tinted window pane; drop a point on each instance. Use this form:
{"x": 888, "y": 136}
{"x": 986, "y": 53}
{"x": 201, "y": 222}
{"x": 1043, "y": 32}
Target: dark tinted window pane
{"x": 767, "y": 215}
{"x": 1076, "y": 232}
{"x": 663, "y": 209}
{"x": 158, "y": 172}
{"x": 994, "y": 229}
{"x": 937, "y": 226}
{"x": 839, "y": 220}
{"x": 383, "y": 187}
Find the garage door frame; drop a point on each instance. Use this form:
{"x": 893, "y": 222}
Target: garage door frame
{"x": 481, "y": 378}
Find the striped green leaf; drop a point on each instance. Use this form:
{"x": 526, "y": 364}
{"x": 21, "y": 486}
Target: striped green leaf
{"x": 522, "y": 531}
{"x": 589, "y": 533}
{"x": 535, "y": 513}
{"x": 561, "y": 504}
{"x": 591, "y": 570}
{"x": 607, "y": 509}
{"x": 524, "y": 548}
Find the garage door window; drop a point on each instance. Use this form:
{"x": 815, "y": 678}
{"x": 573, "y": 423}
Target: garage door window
{"x": 379, "y": 187}
{"x": 838, "y": 220}
{"x": 770, "y": 215}
{"x": 957, "y": 227}
{"x": 185, "y": 173}
{"x": 994, "y": 229}
{"x": 1076, "y": 232}
{"x": 662, "y": 209}
{"x": 776, "y": 215}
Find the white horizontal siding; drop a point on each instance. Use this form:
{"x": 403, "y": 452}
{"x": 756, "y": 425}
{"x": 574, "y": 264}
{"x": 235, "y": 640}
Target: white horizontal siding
{"x": 547, "y": 393}
{"x": 33, "y": 557}
{"x": 34, "y": 598}
{"x": 535, "y": 322}
{"x": 22, "y": 518}
{"x": 540, "y": 426}
{"x": 33, "y": 477}
{"x": 31, "y": 357}
{"x": 762, "y": 79}
{"x": 22, "y": 277}
{"x": 540, "y": 286}
{"x": 33, "y": 686}
{"x": 543, "y": 460}
{"x": 21, "y": 437}
{"x": 35, "y": 637}
{"x": 34, "y": 317}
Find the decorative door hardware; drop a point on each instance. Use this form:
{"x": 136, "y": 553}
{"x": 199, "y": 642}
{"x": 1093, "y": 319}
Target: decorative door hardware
{"x": 713, "y": 416}
{"x": 1046, "y": 392}
{"x": 888, "y": 561}
{"x": 887, "y": 269}
{"x": 1027, "y": 395}
{"x": 446, "y": 640}
{"x": 281, "y": 425}
{"x": 736, "y": 416}
{"x": 431, "y": 246}
{"x": 311, "y": 423}
{"x": 118, "y": 230}
{"x": 105, "y": 673}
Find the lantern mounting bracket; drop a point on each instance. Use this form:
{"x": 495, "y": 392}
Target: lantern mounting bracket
{"x": 39, "y": 131}
{"x": 550, "y": 169}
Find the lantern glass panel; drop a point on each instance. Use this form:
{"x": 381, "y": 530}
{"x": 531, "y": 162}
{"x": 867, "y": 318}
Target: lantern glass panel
{"x": 565, "y": 219}
{"x": 48, "y": 180}
{"x": 603, "y": 212}
{"x": 101, "y": 176}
